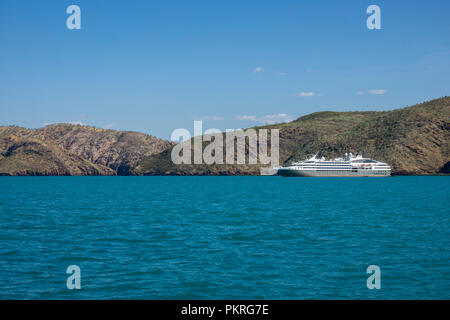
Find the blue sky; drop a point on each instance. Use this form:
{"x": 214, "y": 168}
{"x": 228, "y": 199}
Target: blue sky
{"x": 154, "y": 66}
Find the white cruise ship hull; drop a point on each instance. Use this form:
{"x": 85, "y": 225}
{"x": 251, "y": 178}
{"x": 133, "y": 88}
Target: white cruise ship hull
{"x": 349, "y": 166}
{"x": 286, "y": 172}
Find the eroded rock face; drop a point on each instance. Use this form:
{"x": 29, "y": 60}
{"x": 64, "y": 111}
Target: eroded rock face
{"x": 25, "y": 156}
{"x": 93, "y": 151}
{"x": 413, "y": 140}
{"x": 117, "y": 150}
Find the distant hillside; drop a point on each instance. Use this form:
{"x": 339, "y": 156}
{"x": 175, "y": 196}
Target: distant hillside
{"x": 413, "y": 140}
{"x": 66, "y": 149}
{"x": 25, "y": 156}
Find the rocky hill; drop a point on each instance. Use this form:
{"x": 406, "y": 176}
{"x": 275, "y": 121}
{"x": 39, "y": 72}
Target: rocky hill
{"x": 413, "y": 140}
{"x": 66, "y": 149}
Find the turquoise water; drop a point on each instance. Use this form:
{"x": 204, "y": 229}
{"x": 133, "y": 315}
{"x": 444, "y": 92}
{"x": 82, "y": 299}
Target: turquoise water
{"x": 224, "y": 237}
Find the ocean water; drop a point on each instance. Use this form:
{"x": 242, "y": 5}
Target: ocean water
{"x": 224, "y": 237}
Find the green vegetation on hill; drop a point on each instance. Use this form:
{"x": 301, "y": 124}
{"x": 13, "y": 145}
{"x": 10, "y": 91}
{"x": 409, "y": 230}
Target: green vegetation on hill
{"x": 413, "y": 140}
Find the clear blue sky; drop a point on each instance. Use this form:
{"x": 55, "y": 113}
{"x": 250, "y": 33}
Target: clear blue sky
{"x": 154, "y": 66}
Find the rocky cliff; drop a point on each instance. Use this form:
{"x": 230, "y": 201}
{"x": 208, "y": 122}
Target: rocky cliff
{"x": 66, "y": 149}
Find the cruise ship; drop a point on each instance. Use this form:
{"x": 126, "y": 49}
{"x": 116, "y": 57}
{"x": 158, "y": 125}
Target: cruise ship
{"x": 350, "y": 166}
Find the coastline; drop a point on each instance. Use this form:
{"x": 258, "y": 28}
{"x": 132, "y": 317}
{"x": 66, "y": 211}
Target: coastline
{"x": 411, "y": 140}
